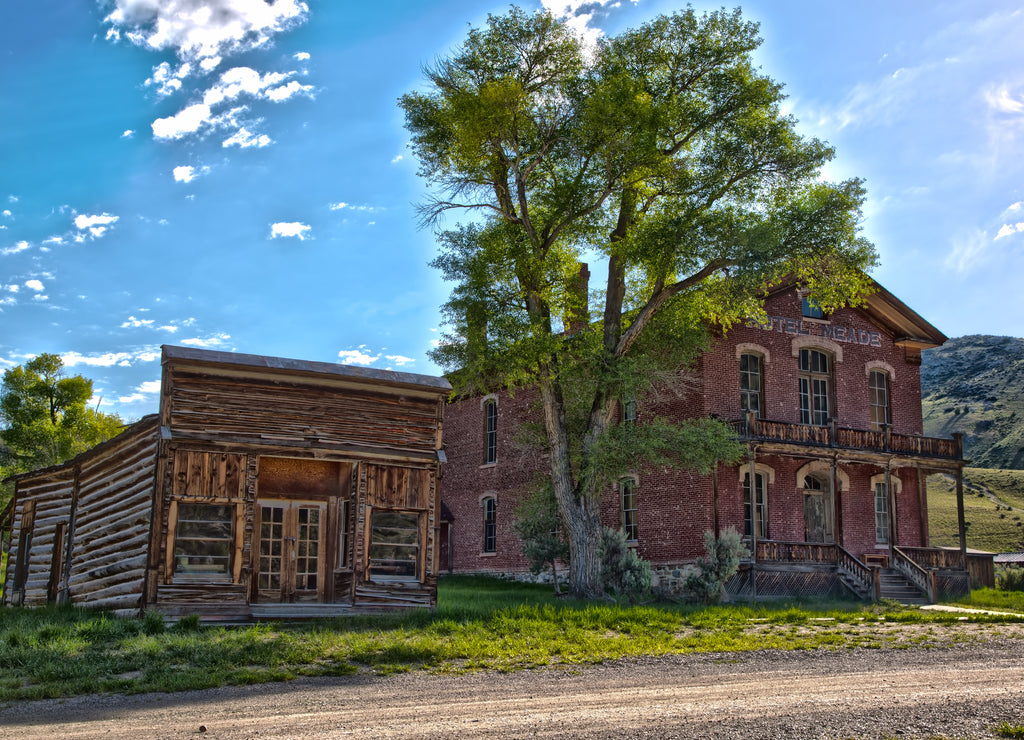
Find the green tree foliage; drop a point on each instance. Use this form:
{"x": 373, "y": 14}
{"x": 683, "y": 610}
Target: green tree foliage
{"x": 44, "y": 416}
{"x": 721, "y": 561}
{"x": 663, "y": 158}
{"x": 539, "y": 529}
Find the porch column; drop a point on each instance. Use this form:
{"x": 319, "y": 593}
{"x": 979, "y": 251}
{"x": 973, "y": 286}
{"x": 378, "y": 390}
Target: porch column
{"x": 754, "y": 523}
{"x": 891, "y": 496}
{"x": 961, "y": 525}
{"x": 922, "y": 500}
{"x": 837, "y": 517}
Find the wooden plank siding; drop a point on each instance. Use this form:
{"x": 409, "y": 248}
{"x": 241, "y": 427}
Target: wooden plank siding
{"x": 262, "y": 411}
{"x": 101, "y": 505}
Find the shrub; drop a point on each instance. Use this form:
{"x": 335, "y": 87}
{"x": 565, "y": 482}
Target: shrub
{"x": 721, "y": 561}
{"x": 623, "y": 572}
{"x": 1011, "y": 579}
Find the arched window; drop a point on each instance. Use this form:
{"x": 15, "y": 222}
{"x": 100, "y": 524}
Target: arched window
{"x": 878, "y": 390}
{"x": 815, "y": 387}
{"x": 490, "y": 542}
{"x": 761, "y": 486}
{"x": 490, "y": 431}
{"x": 751, "y": 384}
{"x": 629, "y": 508}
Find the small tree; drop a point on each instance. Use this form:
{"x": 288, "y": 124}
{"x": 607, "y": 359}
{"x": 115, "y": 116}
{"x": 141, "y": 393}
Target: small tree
{"x": 539, "y": 529}
{"x": 623, "y": 572}
{"x": 721, "y": 561}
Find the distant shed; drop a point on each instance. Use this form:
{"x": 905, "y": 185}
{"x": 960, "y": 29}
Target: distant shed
{"x": 265, "y": 487}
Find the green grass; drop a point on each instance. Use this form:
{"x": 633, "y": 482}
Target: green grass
{"x": 478, "y": 624}
{"x": 991, "y": 598}
{"x": 993, "y": 506}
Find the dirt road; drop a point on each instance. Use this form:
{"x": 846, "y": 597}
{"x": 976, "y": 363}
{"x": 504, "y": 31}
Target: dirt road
{"x": 966, "y": 690}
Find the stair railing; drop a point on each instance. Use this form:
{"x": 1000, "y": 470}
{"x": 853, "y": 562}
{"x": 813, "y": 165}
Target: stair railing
{"x": 862, "y": 574}
{"x": 921, "y": 578}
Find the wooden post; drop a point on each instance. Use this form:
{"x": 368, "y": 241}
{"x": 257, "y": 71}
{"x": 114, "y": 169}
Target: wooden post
{"x": 754, "y": 522}
{"x": 961, "y": 524}
{"x": 922, "y": 499}
{"x": 837, "y": 519}
{"x": 891, "y": 496}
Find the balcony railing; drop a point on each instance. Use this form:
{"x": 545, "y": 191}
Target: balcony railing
{"x": 833, "y": 435}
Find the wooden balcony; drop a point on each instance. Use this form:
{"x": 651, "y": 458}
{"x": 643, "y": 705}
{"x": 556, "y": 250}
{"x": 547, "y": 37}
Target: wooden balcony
{"x": 836, "y": 437}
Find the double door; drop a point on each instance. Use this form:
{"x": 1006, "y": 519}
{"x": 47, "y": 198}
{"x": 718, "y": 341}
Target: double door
{"x": 290, "y": 551}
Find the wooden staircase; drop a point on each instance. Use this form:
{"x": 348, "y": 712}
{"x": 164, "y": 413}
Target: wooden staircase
{"x": 896, "y": 587}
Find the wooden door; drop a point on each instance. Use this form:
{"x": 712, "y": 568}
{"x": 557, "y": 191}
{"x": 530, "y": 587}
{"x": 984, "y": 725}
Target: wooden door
{"x": 814, "y": 517}
{"x": 289, "y": 551}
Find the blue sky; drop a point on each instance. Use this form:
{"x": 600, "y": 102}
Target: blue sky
{"x": 234, "y": 174}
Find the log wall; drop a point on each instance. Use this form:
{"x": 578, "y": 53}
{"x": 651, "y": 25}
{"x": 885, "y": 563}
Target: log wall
{"x": 100, "y": 504}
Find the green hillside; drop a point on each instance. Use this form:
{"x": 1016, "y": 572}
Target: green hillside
{"x": 975, "y": 385}
{"x": 993, "y": 510}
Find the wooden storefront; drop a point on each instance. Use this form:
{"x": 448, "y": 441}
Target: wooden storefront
{"x": 263, "y": 488}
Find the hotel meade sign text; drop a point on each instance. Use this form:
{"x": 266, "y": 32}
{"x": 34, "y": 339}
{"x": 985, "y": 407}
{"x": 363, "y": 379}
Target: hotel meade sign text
{"x": 796, "y": 327}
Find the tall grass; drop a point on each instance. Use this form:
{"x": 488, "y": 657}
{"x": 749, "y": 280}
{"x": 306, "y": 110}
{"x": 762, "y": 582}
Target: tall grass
{"x": 478, "y": 624}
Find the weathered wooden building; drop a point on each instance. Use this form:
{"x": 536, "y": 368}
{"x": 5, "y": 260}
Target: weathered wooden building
{"x": 264, "y": 487}
{"x": 833, "y": 480}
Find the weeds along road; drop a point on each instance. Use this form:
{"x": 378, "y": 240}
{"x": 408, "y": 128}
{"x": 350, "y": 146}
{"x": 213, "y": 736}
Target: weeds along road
{"x": 965, "y": 690}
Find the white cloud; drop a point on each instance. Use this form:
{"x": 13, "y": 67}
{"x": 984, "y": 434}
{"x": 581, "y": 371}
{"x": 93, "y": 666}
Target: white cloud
{"x": 357, "y": 356}
{"x": 292, "y": 228}
{"x": 245, "y": 140}
{"x": 203, "y": 30}
{"x": 35, "y": 285}
{"x": 19, "y": 247}
{"x": 96, "y": 225}
{"x": 397, "y": 159}
{"x": 108, "y": 359}
{"x": 213, "y": 341}
{"x": 7, "y": 213}
{"x": 129, "y": 133}
{"x": 348, "y": 206}
{"x": 135, "y": 323}
{"x": 184, "y": 122}
{"x": 144, "y": 392}
{"x": 968, "y": 250}
{"x": 293, "y": 88}
{"x": 1009, "y": 229}
{"x": 187, "y": 173}
{"x": 400, "y": 360}
{"x": 240, "y": 81}
{"x": 1002, "y": 99}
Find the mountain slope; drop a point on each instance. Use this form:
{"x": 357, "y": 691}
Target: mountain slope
{"x": 975, "y": 385}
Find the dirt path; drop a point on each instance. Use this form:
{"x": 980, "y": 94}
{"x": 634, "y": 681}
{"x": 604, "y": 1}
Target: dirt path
{"x": 962, "y": 691}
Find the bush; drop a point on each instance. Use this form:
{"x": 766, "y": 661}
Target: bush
{"x": 623, "y": 572}
{"x": 539, "y": 529}
{"x": 721, "y": 561}
{"x": 1011, "y": 579}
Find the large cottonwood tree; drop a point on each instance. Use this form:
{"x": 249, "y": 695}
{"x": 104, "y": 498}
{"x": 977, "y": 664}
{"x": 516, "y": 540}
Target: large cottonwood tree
{"x": 662, "y": 156}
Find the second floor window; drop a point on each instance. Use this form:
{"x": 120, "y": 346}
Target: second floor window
{"x": 750, "y": 384}
{"x": 490, "y": 525}
{"x": 878, "y": 388}
{"x": 490, "y": 431}
{"x": 627, "y": 493}
{"x": 815, "y": 382}
{"x": 628, "y": 409}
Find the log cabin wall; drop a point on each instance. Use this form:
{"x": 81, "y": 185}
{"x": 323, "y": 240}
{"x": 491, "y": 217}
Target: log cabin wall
{"x": 84, "y": 526}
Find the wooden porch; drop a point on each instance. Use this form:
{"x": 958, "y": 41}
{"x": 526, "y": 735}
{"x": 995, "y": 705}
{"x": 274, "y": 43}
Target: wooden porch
{"x": 934, "y": 572}
{"x": 753, "y": 430}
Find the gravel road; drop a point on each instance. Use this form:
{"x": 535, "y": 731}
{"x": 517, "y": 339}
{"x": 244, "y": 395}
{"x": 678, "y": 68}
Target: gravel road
{"x": 964, "y": 690}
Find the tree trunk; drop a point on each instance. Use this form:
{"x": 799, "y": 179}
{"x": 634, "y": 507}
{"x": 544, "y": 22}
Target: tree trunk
{"x": 580, "y": 512}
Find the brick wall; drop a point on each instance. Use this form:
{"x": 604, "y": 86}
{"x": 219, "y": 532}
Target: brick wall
{"x": 675, "y": 507}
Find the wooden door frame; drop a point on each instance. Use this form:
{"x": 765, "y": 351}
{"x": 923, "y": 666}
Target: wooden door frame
{"x": 289, "y": 555}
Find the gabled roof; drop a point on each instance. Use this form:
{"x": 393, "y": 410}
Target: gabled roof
{"x": 907, "y": 327}
{"x": 233, "y": 360}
